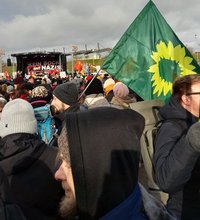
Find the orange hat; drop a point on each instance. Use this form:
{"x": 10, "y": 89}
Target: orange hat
{"x": 108, "y": 85}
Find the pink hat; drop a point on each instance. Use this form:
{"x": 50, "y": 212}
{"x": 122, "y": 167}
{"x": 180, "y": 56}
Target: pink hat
{"x": 120, "y": 90}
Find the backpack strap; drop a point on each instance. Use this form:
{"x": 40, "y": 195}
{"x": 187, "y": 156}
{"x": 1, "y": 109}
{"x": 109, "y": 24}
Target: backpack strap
{"x": 155, "y": 111}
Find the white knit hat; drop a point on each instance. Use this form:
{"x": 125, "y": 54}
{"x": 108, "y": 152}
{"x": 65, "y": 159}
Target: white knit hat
{"x": 17, "y": 117}
{"x": 109, "y": 82}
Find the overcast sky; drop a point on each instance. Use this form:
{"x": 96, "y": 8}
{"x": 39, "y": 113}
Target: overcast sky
{"x": 27, "y": 25}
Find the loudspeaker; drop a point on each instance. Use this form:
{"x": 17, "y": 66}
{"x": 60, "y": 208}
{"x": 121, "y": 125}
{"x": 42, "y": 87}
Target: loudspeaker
{"x": 9, "y": 62}
{"x": 63, "y": 62}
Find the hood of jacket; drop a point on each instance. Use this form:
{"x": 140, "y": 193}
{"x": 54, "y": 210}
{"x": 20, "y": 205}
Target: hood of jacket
{"x": 96, "y": 100}
{"x": 18, "y": 151}
{"x": 104, "y": 145}
{"x": 174, "y": 110}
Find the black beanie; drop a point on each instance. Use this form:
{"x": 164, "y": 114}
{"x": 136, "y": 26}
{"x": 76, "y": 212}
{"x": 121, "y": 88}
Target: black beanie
{"x": 67, "y": 93}
{"x": 95, "y": 87}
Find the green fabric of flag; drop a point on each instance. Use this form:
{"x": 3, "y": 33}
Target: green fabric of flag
{"x": 149, "y": 56}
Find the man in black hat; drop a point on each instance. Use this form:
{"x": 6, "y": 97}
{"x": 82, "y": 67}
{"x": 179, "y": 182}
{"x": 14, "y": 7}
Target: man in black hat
{"x": 65, "y": 99}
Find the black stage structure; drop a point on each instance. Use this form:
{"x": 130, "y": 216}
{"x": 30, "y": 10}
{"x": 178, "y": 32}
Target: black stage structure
{"x": 40, "y": 62}
{"x": 44, "y": 62}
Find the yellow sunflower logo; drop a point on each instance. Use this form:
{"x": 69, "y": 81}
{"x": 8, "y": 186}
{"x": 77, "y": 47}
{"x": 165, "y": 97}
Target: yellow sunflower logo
{"x": 170, "y": 61}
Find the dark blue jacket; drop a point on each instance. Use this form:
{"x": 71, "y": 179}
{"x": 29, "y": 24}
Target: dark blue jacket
{"x": 177, "y": 165}
{"x": 129, "y": 209}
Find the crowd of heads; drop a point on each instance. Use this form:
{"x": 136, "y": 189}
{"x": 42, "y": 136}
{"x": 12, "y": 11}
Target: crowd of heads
{"x": 82, "y": 96}
{"x": 62, "y": 95}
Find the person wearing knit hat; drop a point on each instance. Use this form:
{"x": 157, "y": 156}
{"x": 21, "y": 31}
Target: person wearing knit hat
{"x": 121, "y": 97}
{"x": 17, "y": 117}
{"x": 40, "y": 100}
{"x": 64, "y": 96}
{"x": 40, "y": 96}
{"x": 108, "y": 85}
{"x": 39, "y": 92}
{"x": 120, "y": 90}
{"x": 65, "y": 100}
{"x": 94, "y": 86}
{"x": 94, "y": 94}
{"x": 28, "y": 162}
{"x": 108, "y": 88}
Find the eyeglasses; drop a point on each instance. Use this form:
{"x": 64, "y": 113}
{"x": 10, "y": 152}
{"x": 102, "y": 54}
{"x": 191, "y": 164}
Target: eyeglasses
{"x": 193, "y": 93}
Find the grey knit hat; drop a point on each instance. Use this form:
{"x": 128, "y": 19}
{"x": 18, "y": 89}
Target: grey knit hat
{"x": 67, "y": 93}
{"x": 17, "y": 117}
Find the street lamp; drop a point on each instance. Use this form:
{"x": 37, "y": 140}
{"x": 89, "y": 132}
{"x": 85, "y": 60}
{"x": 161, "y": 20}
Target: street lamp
{"x": 2, "y": 52}
{"x": 74, "y": 49}
{"x": 197, "y": 49}
{"x": 13, "y": 67}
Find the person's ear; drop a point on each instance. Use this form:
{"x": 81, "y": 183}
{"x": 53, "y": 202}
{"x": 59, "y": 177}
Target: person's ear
{"x": 186, "y": 100}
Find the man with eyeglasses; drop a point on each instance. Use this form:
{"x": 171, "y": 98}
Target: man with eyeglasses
{"x": 177, "y": 149}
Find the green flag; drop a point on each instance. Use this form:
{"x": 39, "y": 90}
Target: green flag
{"x": 149, "y": 56}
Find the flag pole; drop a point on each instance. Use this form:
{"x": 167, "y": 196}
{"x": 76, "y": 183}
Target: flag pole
{"x": 96, "y": 74}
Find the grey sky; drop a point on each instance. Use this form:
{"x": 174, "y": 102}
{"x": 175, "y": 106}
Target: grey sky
{"x": 27, "y": 25}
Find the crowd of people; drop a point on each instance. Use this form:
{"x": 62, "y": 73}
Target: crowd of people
{"x": 70, "y": 149}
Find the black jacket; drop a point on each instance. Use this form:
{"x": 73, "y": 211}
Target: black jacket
{"x": 8, "y": 209}
{"x": 177, "y": 165}
{"x": 59, "y": 118}
{"x": 104, "y": 146}
{"x": 30, "y": 166}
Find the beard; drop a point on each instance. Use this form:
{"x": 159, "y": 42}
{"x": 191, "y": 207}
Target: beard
{"x": 67, "y": 208}
{"x": 53, "y": 110}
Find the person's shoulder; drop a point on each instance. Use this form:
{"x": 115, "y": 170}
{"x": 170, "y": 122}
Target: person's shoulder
{"x": 49, "y": 149}
{"x": 174, "y": 123}
{"x": 49, "y": 155}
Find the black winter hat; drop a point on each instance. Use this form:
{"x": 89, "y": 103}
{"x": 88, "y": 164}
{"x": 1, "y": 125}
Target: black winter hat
{"x": 67, "y": 93}
{"x": 95, "y": 87}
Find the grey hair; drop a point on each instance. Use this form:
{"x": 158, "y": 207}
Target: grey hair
{"x": 63, "y": 146}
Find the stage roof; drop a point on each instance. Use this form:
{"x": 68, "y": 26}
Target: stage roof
{"x": 45, "y": 53}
